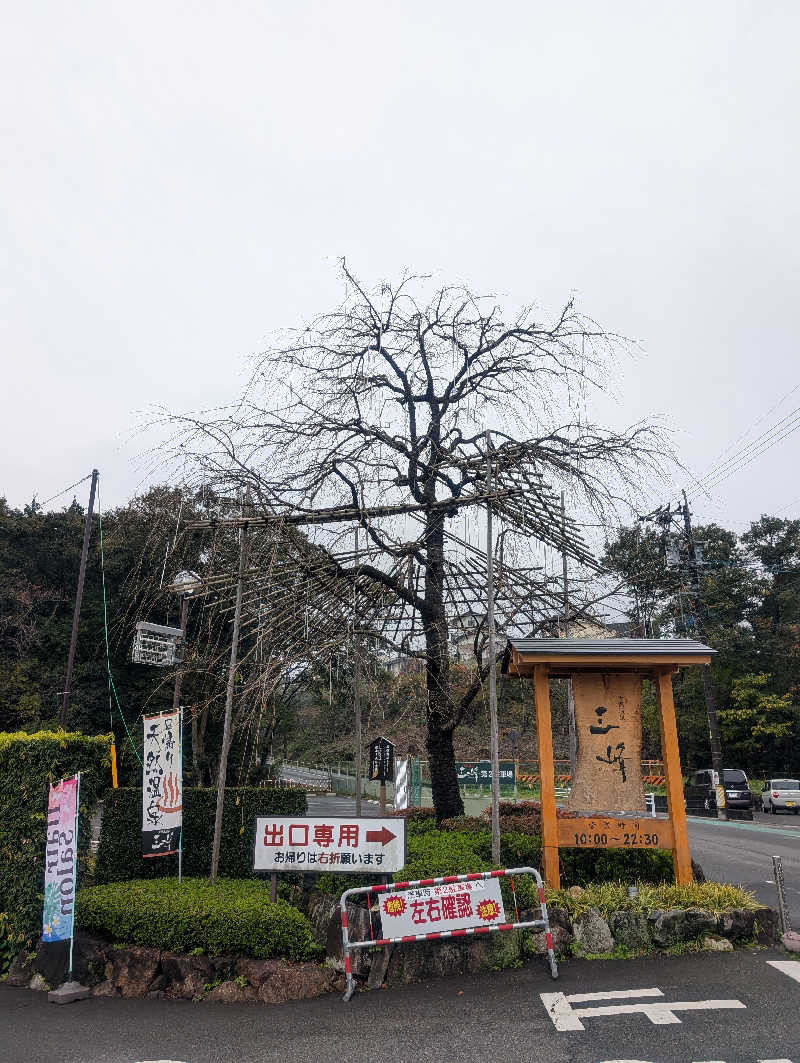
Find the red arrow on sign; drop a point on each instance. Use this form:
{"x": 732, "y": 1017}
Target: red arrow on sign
{"x": 383, "y": 835}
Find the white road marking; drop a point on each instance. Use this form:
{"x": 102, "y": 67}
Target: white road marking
{"x": 566, "y": 1018}
{"x": 787, "y": 967}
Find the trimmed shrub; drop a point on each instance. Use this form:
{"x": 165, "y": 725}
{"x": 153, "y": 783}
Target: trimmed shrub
{"x": 28, "y": 764}
{"x": 581, "y": 866}
{"x": 119, "y": 856}
{"x": 234, "y": 915}
{"x": 419, "y": 820}
{"x": 468, "y": 823}
{"x": 441, "y": 852}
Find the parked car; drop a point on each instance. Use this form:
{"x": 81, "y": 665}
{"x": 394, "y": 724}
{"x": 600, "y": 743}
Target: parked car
{"x": 781, "y": 794}
{"x": 701, "y": 797}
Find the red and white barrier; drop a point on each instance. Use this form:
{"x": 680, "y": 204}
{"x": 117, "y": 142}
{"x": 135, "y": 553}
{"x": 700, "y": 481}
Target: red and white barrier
{"x": 398, "y": 887}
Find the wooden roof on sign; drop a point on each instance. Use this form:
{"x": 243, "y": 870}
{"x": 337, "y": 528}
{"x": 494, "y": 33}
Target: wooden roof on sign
{"x": 564, "y": 656}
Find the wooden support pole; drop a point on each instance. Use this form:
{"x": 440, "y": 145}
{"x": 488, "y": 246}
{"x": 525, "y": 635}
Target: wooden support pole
{"x": 544, "y": 733}
{"x": 681, "y": 855}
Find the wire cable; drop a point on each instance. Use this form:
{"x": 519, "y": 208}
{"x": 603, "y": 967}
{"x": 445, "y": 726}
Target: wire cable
{"x": 60, "y": 493}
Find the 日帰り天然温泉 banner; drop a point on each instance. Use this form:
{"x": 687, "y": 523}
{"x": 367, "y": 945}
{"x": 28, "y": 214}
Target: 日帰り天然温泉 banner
{"x": 162, "y": 785}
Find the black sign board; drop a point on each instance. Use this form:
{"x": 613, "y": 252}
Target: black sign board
{"x": 381, "y": 760}
{"x": 479, "y": 772}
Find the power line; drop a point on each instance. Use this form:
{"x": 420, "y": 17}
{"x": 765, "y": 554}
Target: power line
{"x": 766, "y": 445}
{"x": 720, "y": 471}
{"x": 64, "y": 491}
{"x": 755, "y": 424}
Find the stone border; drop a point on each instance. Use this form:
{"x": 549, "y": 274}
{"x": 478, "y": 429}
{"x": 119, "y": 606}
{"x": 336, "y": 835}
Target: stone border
{"x": 134, "y": 971}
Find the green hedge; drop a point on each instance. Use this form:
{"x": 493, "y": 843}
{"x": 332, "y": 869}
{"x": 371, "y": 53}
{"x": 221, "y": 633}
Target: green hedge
{"x": 119, "y": 856}
{"x": 451, "y": 851}
{"x": 235, "y": 915}
{"x": 28, "y": 763}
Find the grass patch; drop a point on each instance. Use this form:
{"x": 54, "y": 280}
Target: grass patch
{"x": 609, "y": 897}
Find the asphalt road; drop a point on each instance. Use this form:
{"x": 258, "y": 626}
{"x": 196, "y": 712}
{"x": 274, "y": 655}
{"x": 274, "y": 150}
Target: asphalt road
{"x": 741, "y": 852}
{"x": 752, "y": 1016}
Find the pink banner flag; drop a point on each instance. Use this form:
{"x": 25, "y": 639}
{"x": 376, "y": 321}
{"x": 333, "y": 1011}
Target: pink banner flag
{"x": 60, "y": 861}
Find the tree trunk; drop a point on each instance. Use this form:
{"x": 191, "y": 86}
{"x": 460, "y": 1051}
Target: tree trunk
{"x": 439, "y": 742}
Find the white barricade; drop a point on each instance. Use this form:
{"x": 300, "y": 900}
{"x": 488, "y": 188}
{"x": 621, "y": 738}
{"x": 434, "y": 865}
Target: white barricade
{"x": 436, "y": 894}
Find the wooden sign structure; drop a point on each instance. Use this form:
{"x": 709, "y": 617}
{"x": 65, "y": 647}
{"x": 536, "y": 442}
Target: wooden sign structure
{"x": 607, "y": 798}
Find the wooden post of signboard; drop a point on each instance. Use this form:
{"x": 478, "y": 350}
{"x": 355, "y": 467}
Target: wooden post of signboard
{"x": 547, "y": 778}
{"x": 681, "y": 856}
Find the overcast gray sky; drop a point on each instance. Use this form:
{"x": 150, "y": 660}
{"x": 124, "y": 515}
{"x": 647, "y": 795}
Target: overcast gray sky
{"x": 178, "y": 180}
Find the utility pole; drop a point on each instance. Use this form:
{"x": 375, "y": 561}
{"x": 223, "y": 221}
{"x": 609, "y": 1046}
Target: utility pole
{"x": 493, "y": 729}
{"x": 708, "y": 686}
{"x": 573, "y": 737}
{"x": 357, "y": 685}
{"x": 73, "y": 642}
{"x": 226, "y": 733}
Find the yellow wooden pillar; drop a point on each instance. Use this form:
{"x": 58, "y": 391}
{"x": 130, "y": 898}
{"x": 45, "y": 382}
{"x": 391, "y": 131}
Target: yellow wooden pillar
{"x": 547, "y": 779}
{"x": 681, "y": 855}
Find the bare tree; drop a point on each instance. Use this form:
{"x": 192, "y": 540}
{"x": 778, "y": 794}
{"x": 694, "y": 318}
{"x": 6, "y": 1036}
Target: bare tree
{"x": 376, "y": 415}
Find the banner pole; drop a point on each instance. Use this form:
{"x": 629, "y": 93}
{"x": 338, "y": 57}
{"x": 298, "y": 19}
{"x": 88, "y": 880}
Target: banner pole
{"x": 180, "y": 840}
{"x": 74, "y": 874}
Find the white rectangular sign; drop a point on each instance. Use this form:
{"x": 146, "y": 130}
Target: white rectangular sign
{"x": 450, "y": 906}
{"x": 330, "y": 843}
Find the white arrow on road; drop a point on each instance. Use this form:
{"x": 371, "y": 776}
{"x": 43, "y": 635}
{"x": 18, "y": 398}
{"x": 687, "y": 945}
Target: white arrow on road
{"x": 565, "y": 1017}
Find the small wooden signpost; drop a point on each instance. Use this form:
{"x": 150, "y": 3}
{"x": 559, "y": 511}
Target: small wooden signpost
{"x": 607, "y": 798}
{"x": 381, "y": 765}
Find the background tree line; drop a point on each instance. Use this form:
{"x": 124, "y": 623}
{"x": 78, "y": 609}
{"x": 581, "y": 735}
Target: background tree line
{"x": 750, "y": 601}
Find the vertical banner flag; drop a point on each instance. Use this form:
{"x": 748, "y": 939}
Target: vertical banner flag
{"x": 162, "y": 785}
{"x": 60, "y": 861}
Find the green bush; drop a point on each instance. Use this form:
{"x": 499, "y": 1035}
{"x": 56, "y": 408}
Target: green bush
{"x": 418, "y": 820}
{"x": 234, "y": 915}
{"x": 28, "y": 763}
{"x": 441, "y": 852}
{"x": 581, "y": 866}
{"x": 119, "y": 856}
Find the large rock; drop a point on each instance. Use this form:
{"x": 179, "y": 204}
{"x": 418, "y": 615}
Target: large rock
{"x": 231, "y": 993}
{"x": 680, "y": 924}
{"x": 326, "y": 920}
{"x": 765, "y": 926}
{"x": 299, "y": 982}
{"x": 132, "y": 969}
{"x": 558, "y": 917}
{"x": 52, "y": 960}
{"x": 715, "y": 943}
{"x": 21, "y": 970}
{"x": 629, "y": 929}
{"x": 592, "y": 933}
{"x": 186, "y": 976}
{"x": 737, "y": 924}
{"x": 424, "y": 960}
{"x": 89, "y": 958}
{"x": 105, "y": 989}
{"x": 562, "y": 940}
{"x": 257, "y": 971}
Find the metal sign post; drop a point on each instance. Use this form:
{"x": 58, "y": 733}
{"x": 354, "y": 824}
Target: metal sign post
{"x": 482, "y": 914}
